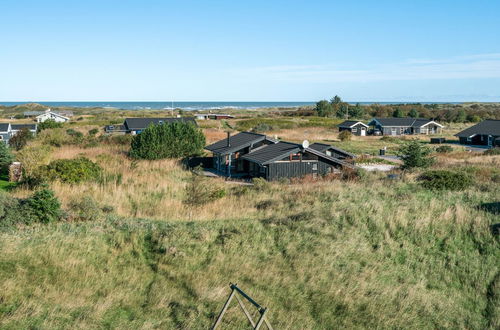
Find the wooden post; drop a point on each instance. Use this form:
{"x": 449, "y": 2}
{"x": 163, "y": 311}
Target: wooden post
{"x": 262, "y": 310}
{"x": 223, "y": 311}
{"x": 262, "y": 318}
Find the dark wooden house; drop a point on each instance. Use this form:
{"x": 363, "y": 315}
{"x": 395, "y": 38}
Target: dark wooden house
{"x": 332, "y": 151}
{"x": 355, "y": 127}
{"x": 486, "y": 133}
{"x": 137, "y": 125}
{"x": 288, "y": 160}
{"x": 227, "y": 153}
{"x": 404, "y": 126}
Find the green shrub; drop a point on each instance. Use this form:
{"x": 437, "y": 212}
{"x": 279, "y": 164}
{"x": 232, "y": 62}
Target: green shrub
{"x": 345, "y": 136}
{"x": 48, "y": 124}
{"x": 199, "y": 192}
{"x": 445, "y": 180}
{"x": 492, "y": 152}
{"x": 20, "y": 139}
{"x": 172, "y": 140}
{"x": 123, "y": 139}
{"x": 84, "y": 209}
{"x": 414, "y": 155}
{"x": 72, "y": 170}
{"x": 56, "y": 137}
{"x": 6, "y": 158}
{"x": 262, "y": 127}
{"x": 44, "y": 206}
{"x": 444, "y": 149}
{"x": 260, "y": 184}
{"x": 93, "y": 132}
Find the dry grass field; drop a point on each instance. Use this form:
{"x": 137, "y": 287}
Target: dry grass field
{"x": 320, "y": 254}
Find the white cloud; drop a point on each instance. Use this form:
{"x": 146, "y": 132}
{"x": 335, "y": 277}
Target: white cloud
{"x": 461, "y": 67}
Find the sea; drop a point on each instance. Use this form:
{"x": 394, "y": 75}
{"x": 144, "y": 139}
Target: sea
{"x": 187, "y": 106}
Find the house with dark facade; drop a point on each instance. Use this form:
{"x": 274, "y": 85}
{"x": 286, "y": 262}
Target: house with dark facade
{"x": 355, "y": 127}
{"x": 332, "y": 151}
{"x": 404, "y": 126}
{"x": 227, "y": 153}
{"x": 289, "y": 160}
{"x": 136, "y": 125}
{"x": 248, "y": 154}
{"x": 486, "y": 133}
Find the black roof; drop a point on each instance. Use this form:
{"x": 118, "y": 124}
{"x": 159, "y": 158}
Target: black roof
{"x": 143, "y": 123}
{"x": 405, "y": 122}
{"x": 236, "y": 142}
{"x": 323, "y": 147}
{"x": 350, "y": 123}
{"x": 486, "y": 127}
{"x": 17, "y": 127}
{"x": 4, "y": 127}
{"x": 272, "y": 152}
{"x": 282, "y": 149}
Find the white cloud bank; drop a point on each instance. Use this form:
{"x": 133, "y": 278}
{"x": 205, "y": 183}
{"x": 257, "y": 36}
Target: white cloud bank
{"x": 481, "y": 66}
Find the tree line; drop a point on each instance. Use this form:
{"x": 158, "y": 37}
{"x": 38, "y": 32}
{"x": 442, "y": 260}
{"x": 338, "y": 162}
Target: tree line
{"x": 458, "y": 113}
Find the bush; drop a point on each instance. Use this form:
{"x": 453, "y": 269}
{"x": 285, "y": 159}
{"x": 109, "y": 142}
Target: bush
{"x": 84, "y": 209}
{"x": 124, "y": 139}
{"x": 48, "y": 124}
{"x": 444, "y": 179}
{"x": 32, "y": 158}
{"x": 55, "y": 137}
{"x": 414, "y": 155}
{"x": 6, "y": 158}
{"x": 492, "y": 152}
{"x": 444, "y": 149}
{"x": 44, "y": 206}
{"x": 345, "y": 136}
{"x": 172, "y": 140}
{"x": 20, "y": 139}
{"x": 262, "y": 127}
{"x": 72, "y": 170}
{"x": 93, "y": 132}
{"x": 199, "y": 192}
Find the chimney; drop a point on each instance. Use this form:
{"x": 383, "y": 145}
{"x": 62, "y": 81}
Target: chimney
{"x": 228, "y": 135}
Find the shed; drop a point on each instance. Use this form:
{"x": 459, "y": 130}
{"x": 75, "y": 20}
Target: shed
{"x": 353, "y": 126}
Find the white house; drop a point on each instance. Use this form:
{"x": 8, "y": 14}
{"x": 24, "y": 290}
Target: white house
{"x": 50, "y": 115}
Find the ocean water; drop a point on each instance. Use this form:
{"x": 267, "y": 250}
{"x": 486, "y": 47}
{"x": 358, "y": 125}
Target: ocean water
{"x": 188, "y": 105}
{"x": 168, "y": 105}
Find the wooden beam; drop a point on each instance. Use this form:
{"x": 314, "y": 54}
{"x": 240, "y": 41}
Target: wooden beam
{"x": 224, "y": 309}
{"x": 249, "y": 317}
{"x": 261, "y": 320}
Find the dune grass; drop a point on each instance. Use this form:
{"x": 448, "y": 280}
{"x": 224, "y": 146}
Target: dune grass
{"x": 375, "y": 253}
{"x": 320, "y": 254}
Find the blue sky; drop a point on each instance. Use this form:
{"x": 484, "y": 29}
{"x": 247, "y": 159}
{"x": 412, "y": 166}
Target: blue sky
{"x": 249, "y": 50}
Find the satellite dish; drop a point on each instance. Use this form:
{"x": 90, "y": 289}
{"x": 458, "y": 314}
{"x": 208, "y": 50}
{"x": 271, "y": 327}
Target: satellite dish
{"x": 305, "y": 144}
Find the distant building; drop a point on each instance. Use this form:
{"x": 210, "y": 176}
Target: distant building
{"x": 404, "y": 126}
{"x": 7, "y": 130}
{"x": 355, "y": 127}
{"x": 214, "y": 116}
{"x": 32, "y": 114}
{"x": 50, "y": 115}
{"x": 486, "y": 133}
{"x": 137, "y": 125}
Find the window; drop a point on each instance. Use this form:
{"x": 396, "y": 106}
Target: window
{"x": 354, "y": 130}
{"x": 329, "y": 153}
{"x": 315, "y": 167}
{"x": 262, "y": 170}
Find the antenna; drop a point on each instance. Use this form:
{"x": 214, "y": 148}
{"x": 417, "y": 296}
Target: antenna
{"x": 305, "y": 144}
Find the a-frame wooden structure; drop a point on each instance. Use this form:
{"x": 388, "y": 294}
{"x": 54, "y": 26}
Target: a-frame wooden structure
{"x": 235, "y": 292}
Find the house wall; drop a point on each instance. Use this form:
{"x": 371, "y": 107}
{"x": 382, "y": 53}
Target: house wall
{"x": 478, "y": 140}
{"x": 356, "y": 131}
{"x": 295, "y": 169}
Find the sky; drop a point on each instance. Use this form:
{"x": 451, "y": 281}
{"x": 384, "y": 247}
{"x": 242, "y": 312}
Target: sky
{"x": 249, "y": 50}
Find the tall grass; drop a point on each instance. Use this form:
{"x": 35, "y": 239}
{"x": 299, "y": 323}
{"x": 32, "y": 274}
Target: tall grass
{"x": 375, "y": 253}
